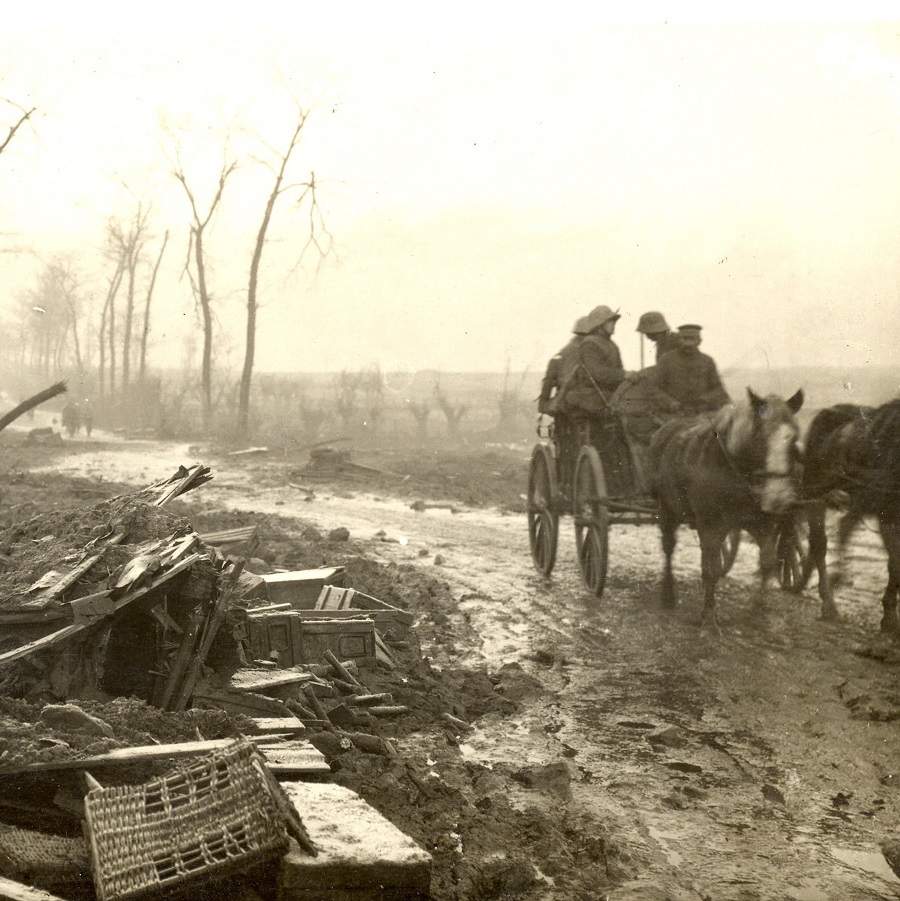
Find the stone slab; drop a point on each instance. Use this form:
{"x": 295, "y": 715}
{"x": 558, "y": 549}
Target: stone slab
{"x": 361, "y": 854}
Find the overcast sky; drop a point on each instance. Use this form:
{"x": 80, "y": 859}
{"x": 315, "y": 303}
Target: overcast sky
{"x": 490, "y": 178}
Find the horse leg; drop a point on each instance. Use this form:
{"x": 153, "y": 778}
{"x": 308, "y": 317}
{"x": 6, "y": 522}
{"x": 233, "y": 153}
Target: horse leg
{"x": 848, "y": 522}
{"x": 890, "y": 536}
{"x": 767, "y": 539}
{"x": 818, "y": 548}
{"x": 668, "y": 527}
{"x": 711, "y": 571}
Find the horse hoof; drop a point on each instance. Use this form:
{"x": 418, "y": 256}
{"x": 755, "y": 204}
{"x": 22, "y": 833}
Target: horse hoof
{"x": 830, "y": 614}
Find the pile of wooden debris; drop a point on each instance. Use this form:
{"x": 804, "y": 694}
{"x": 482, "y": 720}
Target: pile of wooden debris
{"x": 158, "y": 705}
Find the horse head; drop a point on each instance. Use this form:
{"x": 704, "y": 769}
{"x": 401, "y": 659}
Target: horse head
{"x": 760, "y": 437}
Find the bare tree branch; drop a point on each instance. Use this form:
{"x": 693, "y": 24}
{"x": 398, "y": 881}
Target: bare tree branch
{"x": 23, "y": 118}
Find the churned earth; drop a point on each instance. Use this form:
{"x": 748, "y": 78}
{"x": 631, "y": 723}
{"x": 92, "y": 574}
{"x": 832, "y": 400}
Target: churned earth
{"x": 615, "y": 751}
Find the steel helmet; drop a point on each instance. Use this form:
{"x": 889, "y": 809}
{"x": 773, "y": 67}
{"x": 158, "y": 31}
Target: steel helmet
{"x": 581, "y": 326}
{"x": 598, "y": 316}
{"x": 652, "y": 323}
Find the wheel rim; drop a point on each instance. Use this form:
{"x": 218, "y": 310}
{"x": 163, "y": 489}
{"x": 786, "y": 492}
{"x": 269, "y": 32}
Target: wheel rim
{"x": 543, "y": 522}
{"x": 591, "y": 520}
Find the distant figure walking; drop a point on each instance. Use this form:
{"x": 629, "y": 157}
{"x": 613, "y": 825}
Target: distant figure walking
{"x": 71, "y": 418}
{"x": 87, "y": 416}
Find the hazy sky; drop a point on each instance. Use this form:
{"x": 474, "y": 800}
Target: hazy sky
{"x": 490, "y": 176}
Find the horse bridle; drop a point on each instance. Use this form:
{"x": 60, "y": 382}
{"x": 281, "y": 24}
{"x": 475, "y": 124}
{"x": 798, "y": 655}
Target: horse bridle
{"x": 749, "y": 478}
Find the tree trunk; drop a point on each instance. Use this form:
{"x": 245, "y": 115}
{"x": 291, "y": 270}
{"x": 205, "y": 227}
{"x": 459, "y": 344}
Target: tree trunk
{"x": 129, "y": 320}
{"x": 243, "y": 423}
{"x": 206, "y": 368}
{"x": 145, "y": 332}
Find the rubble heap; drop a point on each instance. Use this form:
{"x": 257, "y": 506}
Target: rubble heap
{"x": 146, "y": 679}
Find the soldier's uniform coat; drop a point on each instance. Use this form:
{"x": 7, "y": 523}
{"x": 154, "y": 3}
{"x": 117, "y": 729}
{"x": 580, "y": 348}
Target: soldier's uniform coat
{"x": 597, "y": 364}
{"x": 691, "y": 380}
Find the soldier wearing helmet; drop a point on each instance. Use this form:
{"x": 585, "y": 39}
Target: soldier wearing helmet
{"x": 655, "y": 327}
{"x": 596, "y": 371}
{"x": 552, "y": 385}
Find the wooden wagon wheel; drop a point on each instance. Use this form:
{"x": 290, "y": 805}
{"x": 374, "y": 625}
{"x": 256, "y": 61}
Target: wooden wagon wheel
{"x": 791, "y": 550}
{"x": 591, "y": 520}
{"x": 543, "y": 518}
{"x": 729, "y": 550}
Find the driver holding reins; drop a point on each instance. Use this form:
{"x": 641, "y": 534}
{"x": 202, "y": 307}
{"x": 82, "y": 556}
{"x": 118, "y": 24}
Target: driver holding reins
{"x": 687, "y": 379}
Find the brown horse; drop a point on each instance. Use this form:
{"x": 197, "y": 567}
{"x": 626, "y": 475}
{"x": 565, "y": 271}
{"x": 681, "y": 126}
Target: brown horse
{"x": 852, "y": 464}
{"x": 733, "y": 469}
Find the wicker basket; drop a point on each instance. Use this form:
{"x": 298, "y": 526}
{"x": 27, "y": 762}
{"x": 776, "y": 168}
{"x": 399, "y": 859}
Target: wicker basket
{"x": 52, "y": 862}
{"x": 203, "y": 821}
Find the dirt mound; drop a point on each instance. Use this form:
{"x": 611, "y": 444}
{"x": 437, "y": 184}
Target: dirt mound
{"x": 36, "y": 546}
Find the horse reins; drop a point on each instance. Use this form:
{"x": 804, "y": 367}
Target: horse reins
{"x": 747, "y": 477}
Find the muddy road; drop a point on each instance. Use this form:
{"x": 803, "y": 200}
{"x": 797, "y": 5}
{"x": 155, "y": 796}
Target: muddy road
{"x": 763, "y": 765}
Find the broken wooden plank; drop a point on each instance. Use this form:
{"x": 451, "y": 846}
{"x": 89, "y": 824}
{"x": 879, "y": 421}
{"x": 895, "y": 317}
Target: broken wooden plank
{"x": 10, "y": 890}
{"x": 178, "y": 549}
{"x": 182, "y": 481}
{"x": 382, "y": 654}
{"x": 294, "y": 758}
{"x": 136, "y": 570}
{"x": 161, "y": 615}
{"x": 91, "y": 607}
{"x": 270, "y": 608}
{"x": 247, "y": 703}
{"x": 209, "y": 634}
{"x": 334, "y": 597}
{"x": 225, "y": 536}
{"x": 259, "y": 680}
{"x": 32, "y": 616}
{"x": 120, "y": 756}
{"x": 182, "y": 658}
{"x": 270, "y": 725}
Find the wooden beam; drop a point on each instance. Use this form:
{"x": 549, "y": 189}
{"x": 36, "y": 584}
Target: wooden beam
{"x": 16, "y": 891}
{"x": 120, "y": 756}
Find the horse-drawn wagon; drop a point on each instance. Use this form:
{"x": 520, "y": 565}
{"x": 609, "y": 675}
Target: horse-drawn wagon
{"x": 590, "y": 468}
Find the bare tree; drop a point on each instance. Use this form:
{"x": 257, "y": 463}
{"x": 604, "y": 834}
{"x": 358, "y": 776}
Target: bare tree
{"x": 106, "y": 334}
{"x": 453, "y": 412}
{"x": 346, "y": 402}
{"x": 129, "y": 240}
{"x": 196, "y": 253}
{"x": 312, "y": 417}
{"x": 145, "y": 330}
{"x": 52, "y": 316}
{"x": 420, "y": 410}
{"x": 510, "y": 403}
{"x": 318, "y": 238}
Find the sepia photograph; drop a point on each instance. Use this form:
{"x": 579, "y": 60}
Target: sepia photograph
{"x": 450, "y": 453}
